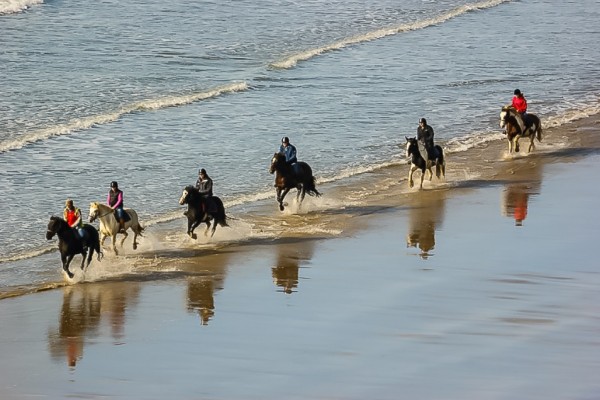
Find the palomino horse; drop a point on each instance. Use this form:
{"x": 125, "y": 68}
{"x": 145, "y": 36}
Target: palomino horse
{"x": 417, "y": 161}
{"x": 109, "y": 226}
{"x": 298, "y": 175}
{"x": 515, "y": 127}
{"x": 201, "y": 209}
{"x": 71, "y": 243}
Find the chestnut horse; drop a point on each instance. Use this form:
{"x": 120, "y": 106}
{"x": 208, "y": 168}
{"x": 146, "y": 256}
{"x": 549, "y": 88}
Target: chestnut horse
{"x": 298, "y": 175}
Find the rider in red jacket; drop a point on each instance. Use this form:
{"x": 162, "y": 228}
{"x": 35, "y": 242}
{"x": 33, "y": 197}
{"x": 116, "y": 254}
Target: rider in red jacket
{"x": 519, "y": 102}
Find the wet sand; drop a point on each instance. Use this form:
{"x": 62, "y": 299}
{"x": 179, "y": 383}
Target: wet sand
{"x": 482, "y": 292}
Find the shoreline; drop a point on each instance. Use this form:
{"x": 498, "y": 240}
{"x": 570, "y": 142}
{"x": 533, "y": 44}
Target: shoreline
{"x": 445, "y": 289}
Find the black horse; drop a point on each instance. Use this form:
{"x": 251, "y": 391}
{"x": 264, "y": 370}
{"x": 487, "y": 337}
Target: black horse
{"x": 202, "y": 209}
{"x": 71, "y": 243}
{"x": 298, "y": 175}
{"x": 418, "y": 162}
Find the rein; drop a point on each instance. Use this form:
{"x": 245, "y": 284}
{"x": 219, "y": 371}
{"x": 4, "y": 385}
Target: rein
{"x": 104, "y": 215}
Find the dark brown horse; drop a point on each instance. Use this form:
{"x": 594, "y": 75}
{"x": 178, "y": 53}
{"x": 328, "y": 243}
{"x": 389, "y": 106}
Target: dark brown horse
{"x": 202, "y": 209}
{"x": 71, "y": 243}
{"x": 298, "y": 175}
{"x": 516, "y": 128}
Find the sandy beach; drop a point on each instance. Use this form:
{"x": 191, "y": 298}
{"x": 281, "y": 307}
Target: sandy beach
{"x": 484, "y": 291}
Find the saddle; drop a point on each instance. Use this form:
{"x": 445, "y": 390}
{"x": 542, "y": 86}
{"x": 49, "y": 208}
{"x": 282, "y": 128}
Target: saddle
{"x": 126, "y": 216}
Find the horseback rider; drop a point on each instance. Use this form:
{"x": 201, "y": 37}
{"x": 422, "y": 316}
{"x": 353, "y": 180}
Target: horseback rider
{"x": 204, "y": 184}
{"x": 519, "y": 103}
{"x": 288, "y": 150}
{"x": 115, "y": 201}
{"x": 72, "y": 215}
{"x": 425, "y": 136}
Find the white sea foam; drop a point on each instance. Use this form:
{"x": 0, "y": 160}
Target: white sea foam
{"x": 292, "y": 60}
{"x": 88, "y": 122}
{"x": 16, "y": 6}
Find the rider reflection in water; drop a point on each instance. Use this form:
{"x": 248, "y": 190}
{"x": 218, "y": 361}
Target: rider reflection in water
{"x": 288, "y": 150}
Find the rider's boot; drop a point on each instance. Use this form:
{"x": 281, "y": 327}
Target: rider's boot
{"x": 121, "y": 226}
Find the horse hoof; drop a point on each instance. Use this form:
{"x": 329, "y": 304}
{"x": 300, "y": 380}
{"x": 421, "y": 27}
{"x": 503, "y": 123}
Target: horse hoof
{"x": 194, "y": 236}
{"x": 135, "y": 246}
{"x": 281, "y": 208}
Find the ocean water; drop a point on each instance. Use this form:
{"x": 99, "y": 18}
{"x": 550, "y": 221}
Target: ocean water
{"x": 146, "y": 93}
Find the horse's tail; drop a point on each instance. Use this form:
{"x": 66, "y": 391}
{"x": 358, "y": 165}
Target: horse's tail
{"x": 138, "y": 229}
{"x": 539, "y": 132}
{"x": 440, "y": 162}
{"x": 311, "y": 187}
{"x": 221, "y": 217}
{"x": 96, "y": 244}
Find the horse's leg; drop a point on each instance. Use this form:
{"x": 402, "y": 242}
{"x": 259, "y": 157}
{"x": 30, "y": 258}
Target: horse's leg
{"x": 84, "y": 254}
{"x": 422, "y": 177}
{"x": 124, "y": 237}
{"x": 191, "y": 226}
{"x": 300, "y": 195}
{"x": 282, "y": 196}
{"x": 517, "y": 148}
{"x": 102, "y": 238}
{"x": 207, "y": 227}
{"x": 531, "y": 144}
{"x": 89, "y": 258}
{"x": 66, "y": 265}
{"x": 214, "y": 228}
{"x": 114, "y": 243}
{"x": 411, "y": 183}
{"x": 135, "y": 235}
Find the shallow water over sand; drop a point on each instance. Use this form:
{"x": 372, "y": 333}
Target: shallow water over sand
{"x": 493, "y": 310}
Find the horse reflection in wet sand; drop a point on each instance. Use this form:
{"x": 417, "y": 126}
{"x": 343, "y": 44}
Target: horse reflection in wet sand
{"x": 296, "y": 176}
{"x": 426, "y": 215}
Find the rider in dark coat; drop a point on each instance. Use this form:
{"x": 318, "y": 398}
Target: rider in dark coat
{"x": 425, "y": 136}
{"x": 288, "y": 150}
{"x": 204, "y": 184}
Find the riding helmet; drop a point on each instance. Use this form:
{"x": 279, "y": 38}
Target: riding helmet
{"x": 202, "y": 171}
{"x": 517, "y": 92}
{"x": 423, "y": 120}
{"x": 285, "y": 140}
{"x": 114, "y": 184}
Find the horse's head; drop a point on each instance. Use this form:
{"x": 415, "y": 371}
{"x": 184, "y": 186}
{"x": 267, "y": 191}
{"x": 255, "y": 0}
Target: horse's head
{"x": 504, "y": 114}
{"x": 53, "y": 227}
{"x": 412, "y": 147}
{"x": 94, "y": 211}
{"x": 185, "y": 195}
{"x": 277, "y": 159}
